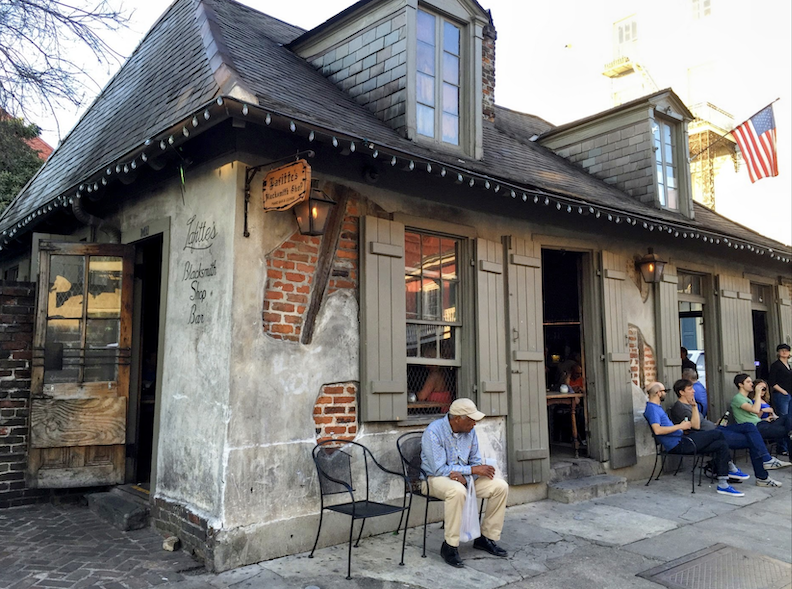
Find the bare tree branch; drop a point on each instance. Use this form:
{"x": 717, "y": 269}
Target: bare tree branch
{"x": 40, "y": 41}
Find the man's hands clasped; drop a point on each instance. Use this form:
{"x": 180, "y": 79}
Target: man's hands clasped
{"x": 484, "y": 470}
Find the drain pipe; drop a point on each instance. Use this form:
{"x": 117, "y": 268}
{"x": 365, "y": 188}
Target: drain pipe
{"x": 94, "y": 222}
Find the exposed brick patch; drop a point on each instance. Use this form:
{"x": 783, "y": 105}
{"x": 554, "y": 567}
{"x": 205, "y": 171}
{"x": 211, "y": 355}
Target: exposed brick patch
{"x": 335, "y": 412}
{"x": 174, "y": 519}
{"x": 488, "y": 71}
{"x": 291, "y": 270}
{"x": 290, "y": 267}
{"x": 17, "y": 304}
{"x": 643, "y": 367}
{"x": 344, "y": 274}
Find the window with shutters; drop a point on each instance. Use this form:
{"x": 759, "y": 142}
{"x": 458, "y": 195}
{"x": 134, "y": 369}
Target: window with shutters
{"x": 432, "y": 286}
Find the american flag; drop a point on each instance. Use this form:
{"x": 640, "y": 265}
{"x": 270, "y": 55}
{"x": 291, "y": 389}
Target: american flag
{"x": 757, "y": 140}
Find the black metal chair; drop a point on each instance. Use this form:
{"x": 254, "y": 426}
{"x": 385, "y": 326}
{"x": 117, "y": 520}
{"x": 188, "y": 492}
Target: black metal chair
{"x": 409, "y": 447}
{"x": 662, "y": 453}
{"x": 340, "y": 467}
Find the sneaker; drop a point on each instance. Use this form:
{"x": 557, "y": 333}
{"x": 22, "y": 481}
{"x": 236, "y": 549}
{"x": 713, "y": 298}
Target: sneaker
{"x": 775, "y": 464}
{"x": 739, "y": 475}
{"x": 768, "y": 482}
{"x": 729, "y": 490}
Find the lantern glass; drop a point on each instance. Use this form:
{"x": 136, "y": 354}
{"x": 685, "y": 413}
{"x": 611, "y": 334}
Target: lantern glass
{"x": 312, "y": 214}
{"x": 651, "y": 267}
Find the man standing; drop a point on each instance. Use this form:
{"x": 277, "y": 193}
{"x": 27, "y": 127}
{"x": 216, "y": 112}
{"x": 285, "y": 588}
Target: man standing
{"x": 450, "y": 457}
{"x": 780, "y": 381}
{"x": 747, "y": 411}
{"x": 738, "y": 436}
{"x": 686, "y": 362}
{"x": 671, "y": 436}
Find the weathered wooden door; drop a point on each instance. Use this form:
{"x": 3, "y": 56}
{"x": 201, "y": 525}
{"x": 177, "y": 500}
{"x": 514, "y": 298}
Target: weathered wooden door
{"x": 80, "y": 371}
{"x": 528, "y": 437}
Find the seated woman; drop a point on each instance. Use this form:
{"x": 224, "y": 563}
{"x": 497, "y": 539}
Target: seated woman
{"x": 576, "y": 381}
{"x": 435, "y": 389}
{"x": 761, "y": 387}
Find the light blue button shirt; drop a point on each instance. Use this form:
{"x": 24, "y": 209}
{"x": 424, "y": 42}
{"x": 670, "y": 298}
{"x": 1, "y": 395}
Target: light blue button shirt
{"x": 443, "y": 451}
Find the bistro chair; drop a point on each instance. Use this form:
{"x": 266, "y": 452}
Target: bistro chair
{"x": 409, "y": 447}
{"x": 661, "y": 454}
{"x": 349, "y": 469}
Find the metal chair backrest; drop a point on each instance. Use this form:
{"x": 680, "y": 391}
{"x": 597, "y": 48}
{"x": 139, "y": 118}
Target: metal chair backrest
{"x": 409, "y": 447}
{"x": 334, "y": 467}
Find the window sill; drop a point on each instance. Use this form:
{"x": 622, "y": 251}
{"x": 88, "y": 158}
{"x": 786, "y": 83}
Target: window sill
{"x": 412, "y": 421}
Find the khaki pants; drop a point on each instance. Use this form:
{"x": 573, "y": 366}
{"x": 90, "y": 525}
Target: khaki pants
{"x": 454, "y": 495}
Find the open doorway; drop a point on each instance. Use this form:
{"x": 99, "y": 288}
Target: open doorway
{"x": 760, "y": 297}
{"x": 148, "y": 270}
{"x": 565, "y": 358}
{"x": 690, "y": 289}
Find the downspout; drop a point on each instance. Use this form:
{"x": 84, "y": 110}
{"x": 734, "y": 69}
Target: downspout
{"x": 94, "y": 222}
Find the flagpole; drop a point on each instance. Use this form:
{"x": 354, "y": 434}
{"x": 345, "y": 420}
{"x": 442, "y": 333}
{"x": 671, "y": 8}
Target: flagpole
{"x": 722, "y": 137}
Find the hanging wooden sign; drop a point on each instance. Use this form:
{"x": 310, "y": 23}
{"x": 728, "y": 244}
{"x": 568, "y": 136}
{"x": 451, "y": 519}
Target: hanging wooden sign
{"x": 286, "y": 186}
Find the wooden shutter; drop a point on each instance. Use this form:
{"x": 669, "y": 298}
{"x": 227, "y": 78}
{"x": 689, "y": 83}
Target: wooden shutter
{"x": 527, "y": 434}
{"x": 785, "y": 313}
{"x": 490, "y": 328}
{"x": 736, "y": 325}
{"x": 621, "y": 430}
{"x": 383, "y": 357}
{"x": 669, "y": 361}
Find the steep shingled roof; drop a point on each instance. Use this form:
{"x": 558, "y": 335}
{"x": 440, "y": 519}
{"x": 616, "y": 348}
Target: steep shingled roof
{"x": 187, "y": 59}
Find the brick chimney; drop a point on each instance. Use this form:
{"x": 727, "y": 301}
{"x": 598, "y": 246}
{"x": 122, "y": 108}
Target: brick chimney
{"x": 488, "y": 70}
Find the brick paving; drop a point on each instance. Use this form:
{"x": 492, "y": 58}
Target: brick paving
{"x": 67, "y": 546}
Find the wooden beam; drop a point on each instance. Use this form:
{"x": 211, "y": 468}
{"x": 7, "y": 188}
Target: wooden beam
{"x": 324, "y": 264}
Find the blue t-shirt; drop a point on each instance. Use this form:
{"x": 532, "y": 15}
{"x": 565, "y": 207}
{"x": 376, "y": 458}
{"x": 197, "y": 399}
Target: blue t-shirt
{"x": 655, "y": 414}
{"x": 701, "y": 397}
{"x": 765, "y": 410}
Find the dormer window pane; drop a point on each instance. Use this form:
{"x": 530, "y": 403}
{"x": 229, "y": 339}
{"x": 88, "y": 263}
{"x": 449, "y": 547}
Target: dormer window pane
{"x": 426, "y": 27}
{"x": 438, "y": 78}
{"x": 426, "y": 58}
{"x": 450, "y": 38}
{"x": 451, "y": 69}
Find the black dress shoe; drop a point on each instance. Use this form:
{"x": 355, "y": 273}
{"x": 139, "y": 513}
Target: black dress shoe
{"x": 450, "y": 554}
{"x": 484, "y": 543}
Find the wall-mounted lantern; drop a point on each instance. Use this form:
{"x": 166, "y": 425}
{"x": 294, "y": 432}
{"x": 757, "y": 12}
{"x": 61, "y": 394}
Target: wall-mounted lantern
{"x": 313, "y": 213}
{"x": 651, "y": 267}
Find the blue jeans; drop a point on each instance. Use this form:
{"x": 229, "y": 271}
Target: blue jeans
{"x": 781, "y": 406}
{"x": 746, "y": 435}
{"x": 777, "y": 431}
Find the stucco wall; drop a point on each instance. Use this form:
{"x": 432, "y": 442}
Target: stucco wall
{"x": 195, "y": 368}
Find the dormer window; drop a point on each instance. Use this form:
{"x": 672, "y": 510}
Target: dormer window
{"x": 438, "y": 74}
{"x": 666, "y": 165}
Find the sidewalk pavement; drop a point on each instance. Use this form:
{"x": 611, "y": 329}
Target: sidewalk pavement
{"x": 600, "y": 543}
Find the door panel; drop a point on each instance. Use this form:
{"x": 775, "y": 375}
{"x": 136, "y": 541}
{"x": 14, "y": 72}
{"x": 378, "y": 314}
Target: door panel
{"x": 81, "y": 356}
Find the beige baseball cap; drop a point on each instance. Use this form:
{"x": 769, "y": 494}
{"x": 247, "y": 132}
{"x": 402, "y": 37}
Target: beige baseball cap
{"x": 467, "y": 408}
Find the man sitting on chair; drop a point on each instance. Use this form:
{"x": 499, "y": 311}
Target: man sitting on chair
{"x": 738, "y": 436}
{"x": 670, "y": 436}
{"x": 449, "y": 453}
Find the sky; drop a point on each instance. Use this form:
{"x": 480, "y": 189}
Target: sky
{"x": 550, "y": 65}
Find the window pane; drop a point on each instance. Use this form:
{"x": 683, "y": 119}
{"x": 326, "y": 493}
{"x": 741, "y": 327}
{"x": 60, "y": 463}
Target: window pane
{"x": 450, "y": 38}
{"x": 412, "y": 270}
{"x": 430, "y": 300}
{"x": 426, "y": 59}
{"x": 430, "y": 250}
{"x": 62, "y": 349}
{"x": 426, "y": 27}
{"x": 669, "y": 154}
{"x": 450, "y": 293}
{"x": 448, "y": 343}
{"x": 451, "y": 69}
{"x": 425, "y": 120}
{"x": 104, "y": 286}
{"x": 672, "y": 199}
{"x": 451, "y": 129}
{"x": 412, "y": 340}
{"x": 661, "y": 195}
{"x": 449, "y": 253}
{"x": 412, "y": 290}
{"x": 450, "y": 99}
{"x": 66, "y": 286}
{"x": 425, "y": 90}
{"x": 670, "y": 180}
{"x": 101, "y": 349}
